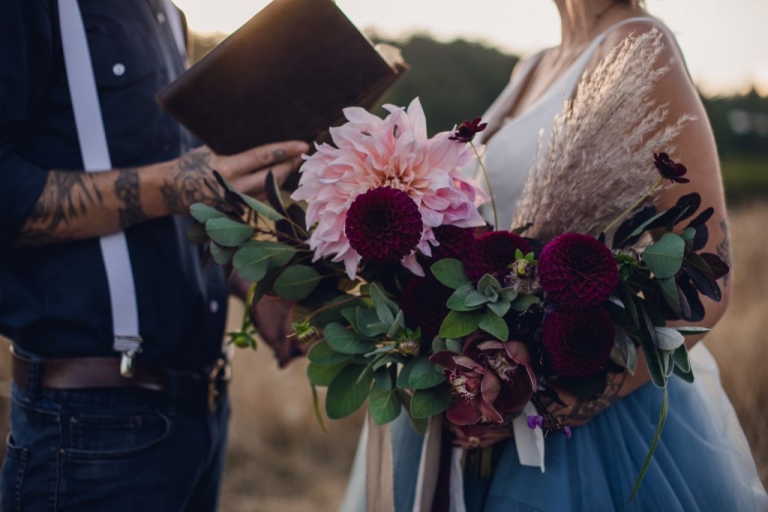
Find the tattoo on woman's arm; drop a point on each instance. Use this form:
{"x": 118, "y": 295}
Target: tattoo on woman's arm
{"x": 66, "y": 196}
{"x": 128, "y": 190}
{"x": 584, "y": 410}
{"x": 187, "y": 185}
{"x": 724, "y": 249}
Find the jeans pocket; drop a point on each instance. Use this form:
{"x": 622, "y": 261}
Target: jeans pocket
{"x": 113, "y": 435}
{"x": 12, "y": 476}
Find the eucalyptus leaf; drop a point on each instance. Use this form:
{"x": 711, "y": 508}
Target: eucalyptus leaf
{"x": 450, "y": 272}
{"x": 458, "y": 324}
{"x": 665, "y": 257}
{"x": 432, "y": 401}
{"x": 454, "y": 345}
{"x": 348, "y": 391}
{"x": 386, "y": 310}
{"x": 424, "y": 374}
{"x": 322, "y": 354}
{"x": 655, "y": 366}
{"x": 405, "y": 374}
{"x": 297, "y": 282}
{"x": 494, "y": 325}
{"x": 383, "y": 379}
{"x": 383, "y": 405}
{"x": 398, "y": 324}
{"x": 346, "y": 341}
{"x": 203, "y": 213}
{"x": 222, "y": 255}
{"x": 438, "y": 345}
{"x": 323, "y": 375}
{"x": 488, "y": 281}
{"x": 227, "y": 232}
{"x": 686, "y": 376}
{"x": 368, "y": 324}
{"x": 251, "y": 263}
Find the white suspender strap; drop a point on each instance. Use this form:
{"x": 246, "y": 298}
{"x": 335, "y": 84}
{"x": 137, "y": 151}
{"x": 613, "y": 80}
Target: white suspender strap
{"x": 93, "y": 146}
{"x": 174, "y": 19}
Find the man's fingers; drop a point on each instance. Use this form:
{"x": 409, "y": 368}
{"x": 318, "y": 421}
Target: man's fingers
{"x": 270, "y": 154}
{"x": 254, "y": 183}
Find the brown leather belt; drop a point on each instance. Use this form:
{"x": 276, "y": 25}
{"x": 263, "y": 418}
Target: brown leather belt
{"x": 104, "y": 372}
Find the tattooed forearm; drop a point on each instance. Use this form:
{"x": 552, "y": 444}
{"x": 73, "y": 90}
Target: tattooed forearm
{"x": 128, "y": 190}
{"x": 66, "y": 197}
{"x": 724, "y": 249}
{"x": 581, "y": 411}
{"x": 187, "y": 185}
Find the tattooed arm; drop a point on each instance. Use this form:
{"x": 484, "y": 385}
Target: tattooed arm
{"x": 75, "y": 205}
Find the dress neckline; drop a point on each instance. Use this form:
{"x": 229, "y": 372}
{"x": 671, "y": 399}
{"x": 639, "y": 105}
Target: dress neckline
{"x": 512, "y": 91}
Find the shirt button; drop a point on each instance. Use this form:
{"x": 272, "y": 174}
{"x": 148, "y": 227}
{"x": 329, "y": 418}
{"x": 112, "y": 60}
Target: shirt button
{"x": 214, "y": 306}
{"x": 118, "y": 69}
{"x": 160, "y": 18}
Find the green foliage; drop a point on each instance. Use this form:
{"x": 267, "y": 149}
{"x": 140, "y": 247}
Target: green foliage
{"x": 227, "y": 232}
{"x": 432, "y": 401}
{"x": 348, "y": 391}
{"x": 451, "y": 273}
{"x": 665, "y": 257}
{"x": 297, "y": 282}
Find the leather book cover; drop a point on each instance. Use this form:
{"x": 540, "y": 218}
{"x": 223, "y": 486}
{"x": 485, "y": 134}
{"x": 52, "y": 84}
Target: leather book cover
{"x": 284, "y": 75}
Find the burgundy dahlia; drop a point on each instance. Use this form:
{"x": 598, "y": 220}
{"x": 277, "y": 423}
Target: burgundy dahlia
{"x": 467, "y": 130}
{"x": 454, "y": 242}
{"x": 578, "y": 343}
{"x": 383, "y": 225}
{"x": 669, "y": 169}
{"x": 423, "y": 302}
{"x": 493, "y": 253}
{"x": 577, "y": 271}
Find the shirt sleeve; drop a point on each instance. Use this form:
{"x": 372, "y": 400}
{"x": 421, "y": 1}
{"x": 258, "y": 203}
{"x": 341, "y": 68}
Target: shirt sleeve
{"x": 25, "y": 56}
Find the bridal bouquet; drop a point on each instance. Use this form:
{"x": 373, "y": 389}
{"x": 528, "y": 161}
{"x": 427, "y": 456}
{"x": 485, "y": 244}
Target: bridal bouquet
{"x": 414, "y": 305}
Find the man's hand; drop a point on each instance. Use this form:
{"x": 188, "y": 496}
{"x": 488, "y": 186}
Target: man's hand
{"x": 246, "y": 172}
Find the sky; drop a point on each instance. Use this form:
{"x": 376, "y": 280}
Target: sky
{"x": 725, "y": 42}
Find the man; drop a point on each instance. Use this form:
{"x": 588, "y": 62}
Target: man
{"x": 118, "y": 400}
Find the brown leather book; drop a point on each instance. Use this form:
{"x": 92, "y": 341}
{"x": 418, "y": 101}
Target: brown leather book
{"x": 284, "y": 75}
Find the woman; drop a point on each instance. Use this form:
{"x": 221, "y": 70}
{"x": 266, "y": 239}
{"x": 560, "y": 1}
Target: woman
{"x": 702, "y": 461}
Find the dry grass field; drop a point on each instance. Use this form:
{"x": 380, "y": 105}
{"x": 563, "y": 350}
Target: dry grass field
{"x": 281, "y": 460}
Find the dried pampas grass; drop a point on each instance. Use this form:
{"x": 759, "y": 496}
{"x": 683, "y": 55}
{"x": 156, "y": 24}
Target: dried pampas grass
{"x": 599, "y": 159}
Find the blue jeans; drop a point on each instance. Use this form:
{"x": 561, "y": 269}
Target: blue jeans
{"x": 110, "y": 450}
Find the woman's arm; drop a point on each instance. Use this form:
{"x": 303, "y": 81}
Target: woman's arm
{"x": 695, "y": 148}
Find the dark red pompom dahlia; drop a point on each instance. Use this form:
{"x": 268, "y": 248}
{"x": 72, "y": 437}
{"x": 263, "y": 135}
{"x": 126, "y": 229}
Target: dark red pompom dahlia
{"x": 494, "y": 252}
{"x": 578, "y": 343}
{"x": 455, "y": 242}
{"x": 423, "y": 302}
{"x": 383, "y": 225}
{"x": 577, "y": 271}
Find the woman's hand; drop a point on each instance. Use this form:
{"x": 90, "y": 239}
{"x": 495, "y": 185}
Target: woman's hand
{"x": 273, "y": 317}
{"x": 575, "y": 412}
{"x": 480, "y": 436}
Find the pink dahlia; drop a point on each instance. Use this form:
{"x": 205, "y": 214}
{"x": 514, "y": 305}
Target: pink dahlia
{"x": 394, "y": 152}
{"x": 578, "y": 343}
{"x": 577, "y": 271}
{"x": 383, "y": 225}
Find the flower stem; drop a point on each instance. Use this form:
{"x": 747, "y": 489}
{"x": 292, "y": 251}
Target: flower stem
{"x": 332, "y": 305}
{"x": 487, "y": 182}
{"x": 631, "y": 208}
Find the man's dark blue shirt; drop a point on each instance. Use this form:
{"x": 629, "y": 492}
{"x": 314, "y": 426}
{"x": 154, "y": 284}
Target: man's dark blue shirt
{"x": 54, "y": 300}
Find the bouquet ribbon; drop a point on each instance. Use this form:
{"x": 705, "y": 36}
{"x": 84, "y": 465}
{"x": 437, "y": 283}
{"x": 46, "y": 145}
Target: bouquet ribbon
{"x": 379, "y": 469}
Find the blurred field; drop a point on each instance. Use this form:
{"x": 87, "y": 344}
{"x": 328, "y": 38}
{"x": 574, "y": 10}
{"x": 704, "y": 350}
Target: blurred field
{"x": 281, "y": 460}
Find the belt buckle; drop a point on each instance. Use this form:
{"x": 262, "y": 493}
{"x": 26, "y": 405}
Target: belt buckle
{"x": 220, "y": 371}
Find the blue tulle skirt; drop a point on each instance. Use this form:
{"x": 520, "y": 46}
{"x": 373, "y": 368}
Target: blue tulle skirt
{"x": 702, "y": 462}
